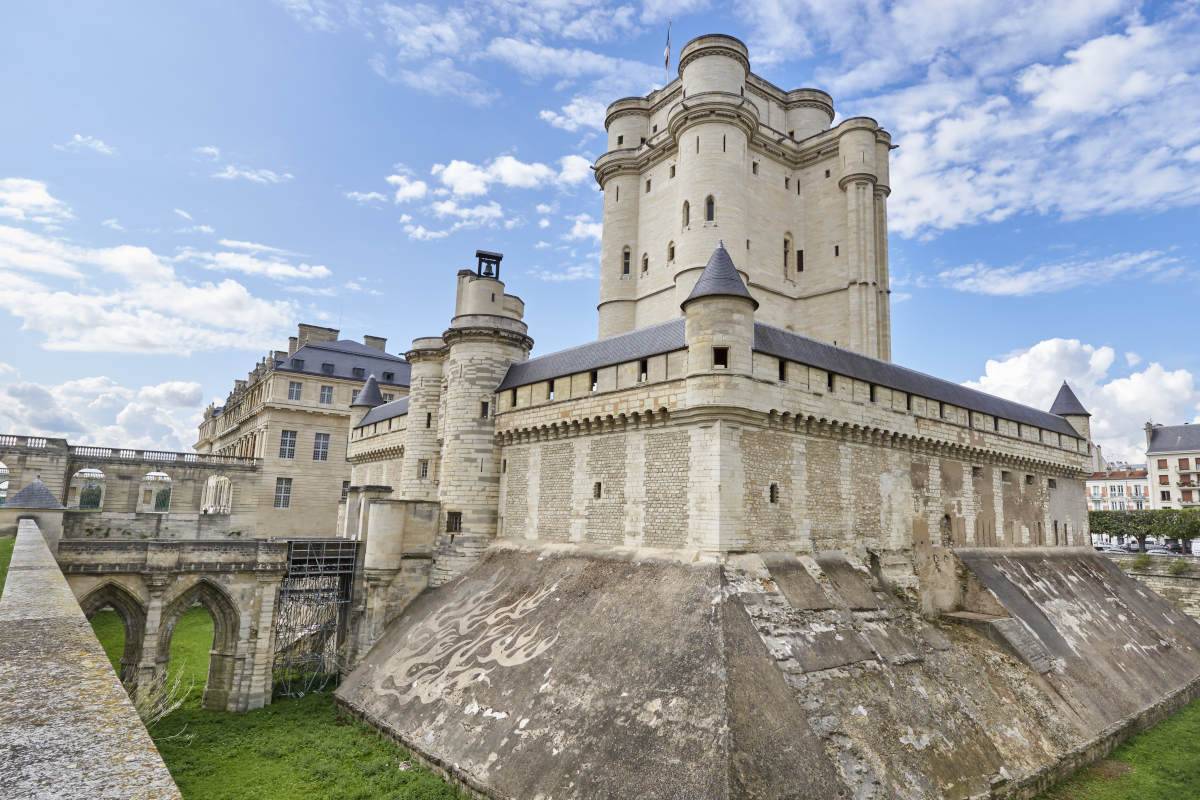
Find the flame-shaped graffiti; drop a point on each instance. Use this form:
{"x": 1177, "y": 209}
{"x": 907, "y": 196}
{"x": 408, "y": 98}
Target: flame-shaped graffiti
{"x": 463, "y": 642}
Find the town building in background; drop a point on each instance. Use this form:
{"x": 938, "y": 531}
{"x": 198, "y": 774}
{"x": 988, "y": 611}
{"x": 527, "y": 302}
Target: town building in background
{"x": 292, "y": 414}
{"x": 1119, "y": 489}
{"x": 1173, "y": 464}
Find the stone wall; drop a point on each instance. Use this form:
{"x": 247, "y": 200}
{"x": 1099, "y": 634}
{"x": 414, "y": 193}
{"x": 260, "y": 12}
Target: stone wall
{"x": 67, "y": 728}
{"x": 1181, "y": 589}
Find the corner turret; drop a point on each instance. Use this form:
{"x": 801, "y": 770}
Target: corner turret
{"x": 368, "y": 397}
{"x": 720, "y": 319}
{"x": 1067, "y": 406}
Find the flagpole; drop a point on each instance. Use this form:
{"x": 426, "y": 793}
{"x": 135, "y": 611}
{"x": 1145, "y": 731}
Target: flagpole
{"x": 667, "y": 56}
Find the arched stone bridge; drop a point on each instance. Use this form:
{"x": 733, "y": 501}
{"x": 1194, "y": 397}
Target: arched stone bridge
{"x": 150, "y": 584}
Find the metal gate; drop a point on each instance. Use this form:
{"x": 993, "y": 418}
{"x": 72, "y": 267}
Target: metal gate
{"x": 314, "y": 605}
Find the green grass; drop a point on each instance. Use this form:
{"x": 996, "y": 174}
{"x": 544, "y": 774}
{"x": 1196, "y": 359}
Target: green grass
{"x": 1160, "y": 764}
{"x": 6, "y": 548}
{"x": 291, "y": 749}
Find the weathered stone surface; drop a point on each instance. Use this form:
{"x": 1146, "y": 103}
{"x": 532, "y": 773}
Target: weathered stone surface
{"x": 568, "y": 674}
{"x": 67, "y": 728}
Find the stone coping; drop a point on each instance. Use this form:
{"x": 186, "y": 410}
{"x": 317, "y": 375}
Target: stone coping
{"x": 67, "y": 728}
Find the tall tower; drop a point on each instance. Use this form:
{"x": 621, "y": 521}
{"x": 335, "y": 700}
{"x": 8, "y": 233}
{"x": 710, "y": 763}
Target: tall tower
{"x": 721, "y": 154}
{"x": 485, "y": 336}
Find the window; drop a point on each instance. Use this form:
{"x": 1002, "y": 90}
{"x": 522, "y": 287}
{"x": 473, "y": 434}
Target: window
{"x": 359, "y": 372}
{"x": 423, "y": 468}
{"x": 787, "y": 183}
{"x": 297, "y": 363}
{"x": 321, "y": 447}
{"x": 791, "y": 134}
{"x": 326, "y": 395}
{"x": 483, "y": 410}
{"x": 390, "y": 377}
{"x": 1006, "y": 476}
{"x": 550, "y": 389}
{"x": 453, "y": 522}
{"x": 722, "y": 144}
{"x": 1183, "y": 464}
{"x": 597, "y": 490}
{"x": 1187, "y": 495}
{"x": 345, "y": 490}
{"x": 670, "y": 251}
{"x": 826, "y": 173}
{"x": 327, "y": 368}
{"x": 787, "y": 254}
{"x": 1029, "y": 480}
{"x": 354, "y": 396}
{"x": 617, "y": 194}
{"x": 836, "y": 251}
{"x": 625, "y": 261}
{"x": 754, "y": 167}
{"x": 647, "y": 186}
{"x": 643, "y": 370}
{"x": 773, "y": 493}
{"x": 388, "y": 397}
{"x": 512, "y": 398}
{"x": 621, "y": 141}
{"x": 594, "y": 380}
{"x": 799, "y": 261}
{"x": 643, "y": 140}
{"x": 782, "y": 371}
{"x": 720, "y": 357}
{"x": 1051, "y": 483}
{"x": 1164, "y": 480}
{"x": 697, "y": 144}
{"x": 976, "y": 472}
{"x": 287, "y": 444}
{"x": 710, "y": 209}
{"x": 1165, "y": 496}
{"x": 872, "y": 393}
{"x": 829, "y": 384}
{"x": 1162, "y": 463}
{"x": 428, "y": 419}
{"x": 687, "y": 213}
{"x": 295, "y": 389}
{"x": 645, "y": 263}
{"x": 283, "y": 492}
{"x": 672, "y": 173}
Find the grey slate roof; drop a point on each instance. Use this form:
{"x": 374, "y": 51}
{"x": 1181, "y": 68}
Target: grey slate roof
{"x": 669, "y": 336}
{"x": 396, "y": 408}
{"x": 720, "y": 278}
{"x": 370, "y": 395}
{"x": 35, "y": 495}
{"x": 1067, "y": 404}
{"x": 345, "y": 355}
{"x": 642, "y": 343}
{"x": 1172, "y": 439}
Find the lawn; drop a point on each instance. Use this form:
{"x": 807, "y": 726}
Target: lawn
{"x": 293, "y": 748}
{"x": 6, "y": 548}
{"x": 1160, "y": 764}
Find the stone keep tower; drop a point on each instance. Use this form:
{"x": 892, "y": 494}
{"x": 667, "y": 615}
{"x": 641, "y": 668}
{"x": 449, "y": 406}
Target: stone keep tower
{"x": 721, "y": 154}
{"x": 485, "y": 336}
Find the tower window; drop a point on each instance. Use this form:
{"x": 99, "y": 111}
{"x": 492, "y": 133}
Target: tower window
{"x": 787, "y": 254}
{"x": 645, "y": 263}
{"x": 799, "y": 261}
{"x": 671, "y": 251}
{"x": 647, "y": 186}
{"x": 722, "y": 144}
{"x": 672, "y": 173}
{"x": 618, "y": 194}
{"x": 836, "y": 251}
{"x": 625, "y": 261}
{"x": 872, "y": 393}
{"x": 513, "y": 398}
{"x": 484, "y": 409}
{"x": 687, "y": 213}
{"x": 550, "y": 389}
{"x": 829, "y": 381}
{"x": 791, "y": 134}
{"x": 643, "y": 370}
{"x": 594, "y": 379}
{"x": 826, "y": 173}
{"x": 697, "y": 144}
{"x": 908, "y": 402}
{"x": 720, "y": 358}
{"x": 453, "y": 521}
{"x": 621, "y": 141}
{"x": 710, "y": 209}
{"x": 597, "y": 490}
{"x": 782, "y": 371}
{"x": 643, "y": 140}
{"x": 428, "y": 419}
{"x": 423, "y": 468}
{"x": 773, "y": 493}
{"x": 754, "y": 167}
{"x": 787, "y": 183}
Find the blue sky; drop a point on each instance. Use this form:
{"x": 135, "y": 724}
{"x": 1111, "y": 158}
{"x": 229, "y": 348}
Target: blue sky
{"x": 182, "y": 183}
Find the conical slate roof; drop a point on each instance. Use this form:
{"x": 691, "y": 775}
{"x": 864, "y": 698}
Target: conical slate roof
{"x": 720, "y": 278}
{"x": 35, "y": 495}
{"x": 1067, "y": 404}
{"x": 370, "y": 395}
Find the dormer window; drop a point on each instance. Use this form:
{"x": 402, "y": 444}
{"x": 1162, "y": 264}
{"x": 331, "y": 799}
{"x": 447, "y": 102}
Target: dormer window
{"x": 390, "y": 377}
{"x": 297, "y": 363}
{"x": 359, "y": 372}
{"x": 327, "y": 368}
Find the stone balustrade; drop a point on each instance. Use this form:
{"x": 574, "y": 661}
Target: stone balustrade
{"x": 67, "y": 727}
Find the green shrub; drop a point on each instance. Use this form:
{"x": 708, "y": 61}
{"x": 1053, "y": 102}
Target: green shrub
{"x": 1179, "y": 566}
{"x": 1141, "y": 561}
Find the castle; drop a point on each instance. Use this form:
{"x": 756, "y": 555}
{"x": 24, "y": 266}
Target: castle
{"x": 729, "y": 549}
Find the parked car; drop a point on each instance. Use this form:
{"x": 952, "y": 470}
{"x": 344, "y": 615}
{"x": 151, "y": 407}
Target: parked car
{"x": 1115, "y": 550}
{"x": 1158, "y": 551}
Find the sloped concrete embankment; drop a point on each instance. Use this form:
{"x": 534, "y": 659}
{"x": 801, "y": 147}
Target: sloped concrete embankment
{"x": 567, "y": 675}
{"x": 67, "y": 728}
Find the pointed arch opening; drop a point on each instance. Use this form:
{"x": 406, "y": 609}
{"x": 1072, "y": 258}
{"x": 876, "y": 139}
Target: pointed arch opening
{"x": 197, "y": 640}
{"x": 119, "y": 621}
{"x": 710, "y": 209}
{"x": 787, "y": 255}
{"x": 86, "y": 490}
{"x": 218, "y": 495}
{"x": 687, "y": 213}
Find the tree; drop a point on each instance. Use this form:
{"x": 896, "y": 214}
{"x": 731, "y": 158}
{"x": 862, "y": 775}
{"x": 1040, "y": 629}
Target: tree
{"x": 1129, "y": 524}
{"x": 1183, "y": 525}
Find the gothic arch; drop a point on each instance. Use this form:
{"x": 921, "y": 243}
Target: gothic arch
{"x": 222, "y": 662}
{"x": 133, "y": 617}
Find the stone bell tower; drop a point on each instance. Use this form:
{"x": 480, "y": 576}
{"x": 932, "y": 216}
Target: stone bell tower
{"x": 485, "y": 336}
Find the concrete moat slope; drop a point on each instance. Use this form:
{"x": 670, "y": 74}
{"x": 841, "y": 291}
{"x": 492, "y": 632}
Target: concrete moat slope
{"x": 569, "y": 675}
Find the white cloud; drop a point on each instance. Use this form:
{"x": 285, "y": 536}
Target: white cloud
{"x": 420, "y": 31}
{"x": 543, "y": 223}
{"x": 126, "y": 299}
{"x": 232, "y": 172}
{"x": 423, "y": 234}
{"x": 367, "y": 198}
{"x": 578, "y": 113}
{"x": 574, "y": 272}
{"x": 439, "y": 77}
{"x": 544, "y": 208}
{"x": 574, "y": 169}
{"x": 100, "y": 411}
{"x": 980, "y": 278}
{"x": 79, "y": 142}
{"x": 584, "y": 227}
{"x": 541, "y": 245}
{"x": 1132, "y": 359}
{"x": 251, "y": 263}
{"x": 7, "y": 369}
{"x": 255, "y": 247}
{"x": 465, "y": 179}
{"x": 320, "y": 15}
{"x": 406, "y": 188}
{"x": 208, "y": 151}
{"x": 464, "y": 217}
{"x": 23, "y": 199}
{"x": 180, "y": 212}
{"x": 113, "y": 224}
{"x": 1120, "y": 404}
{"x": 206, "y": 229}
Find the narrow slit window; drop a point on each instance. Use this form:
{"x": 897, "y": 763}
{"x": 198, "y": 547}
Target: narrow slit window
{"x": 872, "y": 393}
{"x": 594, "y": 380}
{"x": 773, "y": 493}
{"x": 799, "y": 261}
{"x": 597, "y": 490}
{"x": 484, "y": 409}
{"x": 428, "y": 419}
{"x": 647, "y": 186}
{"x": 645, "y": 263}
{"x": 625, "y": 261}
{"x": 720, "y": 357}
{"x": 672, "y": 173}
{"x": 513, "y": 398}
{"x": 836, "y": 251}
{"x": 783, "y": 371}
{"x": 621, "y": 140}
{"x": 550, "y": 390}
{"x": 643, "y": 370}
{"x": 710, "y": 209}
{"x": 829, "y": 381}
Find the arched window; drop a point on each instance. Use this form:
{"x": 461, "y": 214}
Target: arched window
{"x": 787, "y": 253}
{"x": 645, "y": 263}
{"x": 218, "y": 495}
{"x": 710, "y": 209}
{"x": 87, "y": 489}
{"x": 3, "y": 483}
{"x": 625, "y": 261}
{"x": 670, "y": 252}
{"x": 687, "y": 213}
{"x": 155, "y": 495}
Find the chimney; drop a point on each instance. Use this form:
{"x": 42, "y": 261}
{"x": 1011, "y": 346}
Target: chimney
{"x": 1149, "y": 433}
{"x": 377, "y": 342}
{"x": 316, "y": 333}
{"x": 293, "y": 345}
